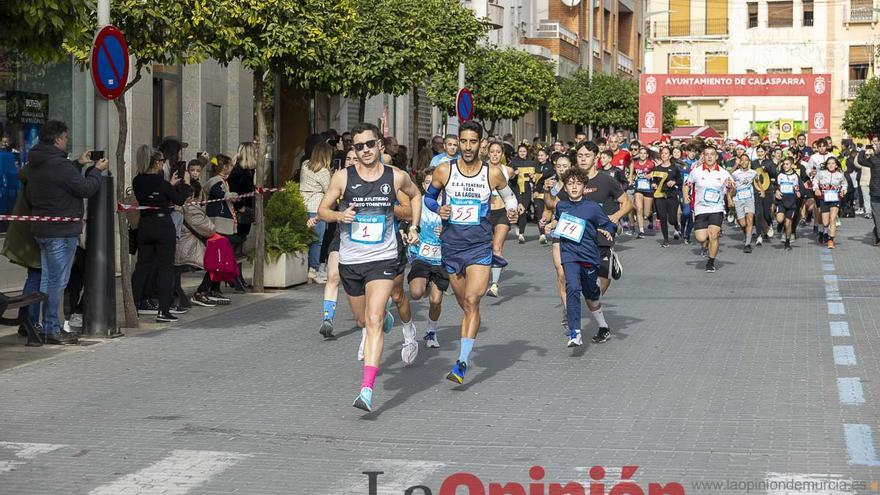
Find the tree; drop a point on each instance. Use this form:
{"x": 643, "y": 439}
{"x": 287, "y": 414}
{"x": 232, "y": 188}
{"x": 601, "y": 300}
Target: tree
{"x": 291, "y": 38}
{"x": 608, "y": 100}
{"x": 155, "y": 35}
{"x": 38, "y": 28}
{"x": 398, "y": 44}
{"x": 862, "y": 118}
{"x": 506, "y": 84}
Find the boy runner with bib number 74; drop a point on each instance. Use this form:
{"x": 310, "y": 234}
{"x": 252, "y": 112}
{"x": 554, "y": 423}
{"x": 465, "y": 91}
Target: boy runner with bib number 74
{"x": 578, "y": 222}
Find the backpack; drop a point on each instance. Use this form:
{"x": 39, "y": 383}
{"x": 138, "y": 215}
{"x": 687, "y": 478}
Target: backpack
{"x": 220, "y": 260}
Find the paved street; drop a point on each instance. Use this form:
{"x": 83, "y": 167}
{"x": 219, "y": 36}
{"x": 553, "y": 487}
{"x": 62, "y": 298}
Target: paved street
{"x": 765, "y": 370}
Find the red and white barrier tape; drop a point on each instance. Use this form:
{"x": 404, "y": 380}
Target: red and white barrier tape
{"x": 261, "y": 190}
{"x": 37, "y": 218}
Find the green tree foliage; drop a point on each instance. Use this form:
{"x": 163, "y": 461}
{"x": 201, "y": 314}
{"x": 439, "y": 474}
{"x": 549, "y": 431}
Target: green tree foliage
{"x": 38, "y": 28}
{"x": 863, "y": 115}
{"x": 506, "y": 84}
{"x": 608, "y": 100}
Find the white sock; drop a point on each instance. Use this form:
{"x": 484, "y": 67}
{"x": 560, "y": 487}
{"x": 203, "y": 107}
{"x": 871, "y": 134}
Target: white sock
{"x": 600, "y": 317}
{"x": 432, "y": 326}
{"x": 496, "y": 274}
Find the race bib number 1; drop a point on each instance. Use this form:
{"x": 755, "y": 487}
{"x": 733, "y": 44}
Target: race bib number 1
{"x": 744, "y": 193}
{"x": 711, "y": 196}
{"x": 831, "y": 195}
{"x": 570, "y": 227}
{"x": 464, "y": 211}
{"x": 368, "y": 229}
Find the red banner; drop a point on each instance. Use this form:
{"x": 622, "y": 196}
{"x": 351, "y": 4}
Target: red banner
{"x": 653, "y": 87}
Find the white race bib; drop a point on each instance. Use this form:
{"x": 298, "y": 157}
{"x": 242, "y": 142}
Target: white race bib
{"x": 744, "y": 193}
{"x": 786, "y": 188}
{"x": 465, "y": 211}
{"x": 429, "y": 252}
{"x": 643, "y": 184}
{"x": 368, "y": 229}
{"x": 711, "y": 195}
{"x": 831, "y": 196}
{"x": 570, "y": 227}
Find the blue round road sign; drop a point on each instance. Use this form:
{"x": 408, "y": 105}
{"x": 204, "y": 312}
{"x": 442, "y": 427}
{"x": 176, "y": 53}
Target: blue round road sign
{"x": 464, "y": 104}
{"x": 109, "y": 62}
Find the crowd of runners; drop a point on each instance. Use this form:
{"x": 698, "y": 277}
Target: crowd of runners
{"x": 447, "y": 220}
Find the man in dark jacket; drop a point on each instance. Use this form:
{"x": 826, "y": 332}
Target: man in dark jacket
{"x": 57, "y": 188}
{"x": 870, "y": 158}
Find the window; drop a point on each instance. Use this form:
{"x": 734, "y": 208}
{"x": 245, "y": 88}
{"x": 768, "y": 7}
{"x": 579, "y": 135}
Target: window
{"x": 716, "y": 16}
{"x": 808, "y": 12}
{"x": 679, "y": 17}
{"x": 721, "y": 126}
{"x": 214, "y": 129}
{"x": 780, "y": 14}
{"x": 716, "y": 63}
{"x": 778, "y": 71}
{"x": 806, "y": 70}
{"x": 679, "y": 63}
{"x": 859, "y": 62}
{"x": 753, "y": 14}
{"x": 167, "y": 102}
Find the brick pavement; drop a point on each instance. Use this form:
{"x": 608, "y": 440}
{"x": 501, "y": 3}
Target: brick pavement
{"x": 726, "y": 376}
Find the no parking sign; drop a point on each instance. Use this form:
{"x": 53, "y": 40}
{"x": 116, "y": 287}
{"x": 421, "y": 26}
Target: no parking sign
{"x": 109, "y": 62}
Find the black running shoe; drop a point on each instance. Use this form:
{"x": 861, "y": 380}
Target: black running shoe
{"x": 710, "y": 266}
{"x": 165, "y": 318}
{"x": 327, "y": 330}
{"x": 748, "y": 248}
{"x": 602, "y": 336}
{"x": 641, "y": 235}
{"x": 616, "y": 266}
{"x": 787, "y": 245}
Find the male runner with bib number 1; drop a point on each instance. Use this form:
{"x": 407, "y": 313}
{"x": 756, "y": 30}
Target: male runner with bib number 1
{"x": 368, "y": 252}
{"x": 467, "y": 232}
{"x": 577, "y": 223}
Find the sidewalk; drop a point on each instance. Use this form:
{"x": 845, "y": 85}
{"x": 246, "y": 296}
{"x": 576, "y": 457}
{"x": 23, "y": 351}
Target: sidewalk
{"x": 13, "y": 352}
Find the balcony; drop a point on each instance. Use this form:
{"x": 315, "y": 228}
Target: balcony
{"x": 552, "y": 29}
{"x": 702, "y": 28}
{"x": 861, "y": 11}
{"x": 851, "y": 90}
{"x": 487, "y": 10}
{"x": 624, "y": 64}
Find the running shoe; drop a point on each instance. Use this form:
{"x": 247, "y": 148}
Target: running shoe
{"x": 410, "y": 348}
{"x": 747, "y": 249}
{"x": 687, "y": 240}
{"x": 676, "y": 235}
{"x": 165, "y": 317}
{"x": 493, "y": 290}
{"x": 364, "y": 400}
{"x": 521, "y": 239}
{"x": 431, "y": 340}
{"x": 703, "y": 252}
{"x": 759, "y": 241}
{"x": 148, "y": 307}
{"x": 218, "y": 298}
{"x": 542, "y": 239}
{"x": 731, "y": 218}
{"x": 664, "y": 244}
{"x": 837, "y": 223}
{"x": 616, "y": 266}
{"x": 710, "y": 266}
{"x": 860, "y": 211}
{"x": 574, "y": 339}
{"x": 327, "y": 330}
{"x": 770, "y": 232}
{"x": 457, "y": 373}
{"x": 788, "y": 245}
{"x": 388, "y": 323}
{"x": 830, "y": 243}
{"x": 602, "y": 335}
{"x": 363, "y": 341}
{"x": 178, "y": 310}
{"x": 641, "y": 235}
{"x": 200, "y": 299}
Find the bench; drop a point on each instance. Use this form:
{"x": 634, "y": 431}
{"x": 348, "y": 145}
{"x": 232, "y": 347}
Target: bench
{"x": 21, "y": 303}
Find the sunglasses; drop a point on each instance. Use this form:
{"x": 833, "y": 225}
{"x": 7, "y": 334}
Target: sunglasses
{"x": 369, "y": 144}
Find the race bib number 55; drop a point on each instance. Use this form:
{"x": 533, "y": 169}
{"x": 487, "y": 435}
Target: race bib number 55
{"x": 464, "y": 211}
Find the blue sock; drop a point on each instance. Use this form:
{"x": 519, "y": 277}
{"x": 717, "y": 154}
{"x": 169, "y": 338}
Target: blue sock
{"x": 466, "y": 346}
{"x": 329, "y": 309}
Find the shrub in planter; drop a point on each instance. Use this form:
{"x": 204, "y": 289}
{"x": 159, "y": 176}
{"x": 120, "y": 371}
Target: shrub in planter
{"x": 286, "y": 217}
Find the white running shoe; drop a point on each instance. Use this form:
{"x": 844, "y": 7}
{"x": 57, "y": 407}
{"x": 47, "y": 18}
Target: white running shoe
{"x": 770, "y": 232}
{"x": 431, "y": 340}
{"x": 410, "y": 347}
{"x": 575, "y": 340}
{"x": 760, "y": 241}
{"x": 363, "y": 341}
{"x": 493, "y": 290}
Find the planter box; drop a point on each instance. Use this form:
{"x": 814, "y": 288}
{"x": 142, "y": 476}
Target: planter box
{"x": 287, "y": 271}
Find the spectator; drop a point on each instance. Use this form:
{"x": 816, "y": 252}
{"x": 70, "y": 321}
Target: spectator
{"x": 865, "y": 180}
{"x": 423, "y": 162}
{"x": 869, "y": 159}
{"x": 509, "y": 146}
{"x": 314, "y": 183}
{"x": 436, "y": 145}
{"x": 21, "y": 249}
{"x": 197, "y": 228}
{"x": 450, "y": 151}
{"x": 171, "y": 149}
{"x": 57, "y": 188}
{"x": 241, "y": 181}
{"x": 225, "y": 219}
{"x": 157, "y": 235}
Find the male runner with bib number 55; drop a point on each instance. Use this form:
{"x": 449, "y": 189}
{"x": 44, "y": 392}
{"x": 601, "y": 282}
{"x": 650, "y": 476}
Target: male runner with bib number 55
{"x": 368, "y": 251}
{"x": 467, "y": 232}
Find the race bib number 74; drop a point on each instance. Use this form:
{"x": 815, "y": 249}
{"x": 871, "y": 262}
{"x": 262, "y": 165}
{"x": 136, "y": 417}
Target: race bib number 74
{"x": 570, "y": 227}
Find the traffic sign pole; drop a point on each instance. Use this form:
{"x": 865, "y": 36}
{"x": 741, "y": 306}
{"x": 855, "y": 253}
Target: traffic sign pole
{"x": 452, "y": 124}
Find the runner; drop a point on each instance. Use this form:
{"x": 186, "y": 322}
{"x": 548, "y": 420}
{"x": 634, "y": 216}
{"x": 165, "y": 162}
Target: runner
{"x": 554, "y": 187}
{"x": 524, "y": 168}
{"x": 545, "y": 163}
{"x": 577, "y": 223}
{"x": 812, "y": 165}
{"x": 426, "y": 273}
{"x": 708, "y": 183}
{"x": 498, "y": 216}
{"x": 788, "y": 193}
{"x": 640, "y": 178}
{"x": 830, "y": 186}
{"x": 368, "y": 252}
{"x": 331, "y": 287}
{"x": 742, "y": 195}
{"x": 467, "y": 232}
{"x": 763, "y": 210}
{"x": 410, "y": 347}
{"x": 666, "y": 181}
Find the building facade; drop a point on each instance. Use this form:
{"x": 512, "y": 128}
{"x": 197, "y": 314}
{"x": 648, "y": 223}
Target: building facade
{"x": 763, "y": 37}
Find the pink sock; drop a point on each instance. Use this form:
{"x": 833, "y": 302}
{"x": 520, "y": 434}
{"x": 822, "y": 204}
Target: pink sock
{"x": 370, "y": 373}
